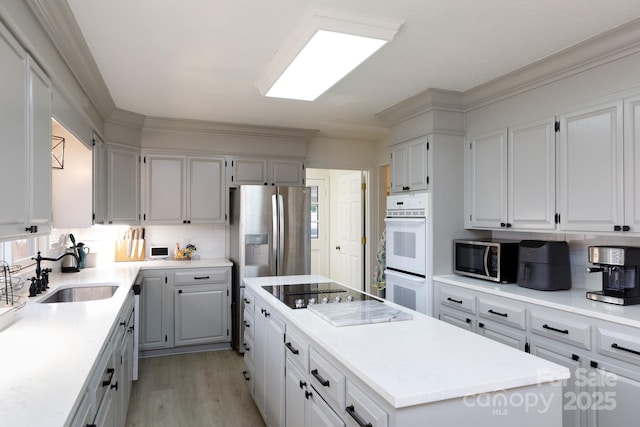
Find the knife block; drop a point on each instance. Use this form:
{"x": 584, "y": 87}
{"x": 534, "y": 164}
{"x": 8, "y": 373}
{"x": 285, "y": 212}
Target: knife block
{"x": 121, "y": 251}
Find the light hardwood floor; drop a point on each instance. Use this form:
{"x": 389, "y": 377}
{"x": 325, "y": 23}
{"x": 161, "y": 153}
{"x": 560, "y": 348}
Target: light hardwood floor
{"x": 192, "y": 390}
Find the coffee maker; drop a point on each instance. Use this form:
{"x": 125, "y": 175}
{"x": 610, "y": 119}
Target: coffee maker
{"x": 620, "y": 276}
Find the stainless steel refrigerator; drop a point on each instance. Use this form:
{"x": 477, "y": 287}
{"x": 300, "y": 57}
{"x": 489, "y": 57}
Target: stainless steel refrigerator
{"x": 270, "y": 235}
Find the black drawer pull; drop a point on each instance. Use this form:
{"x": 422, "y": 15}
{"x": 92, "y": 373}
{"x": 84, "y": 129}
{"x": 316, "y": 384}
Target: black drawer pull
{"x": 110, "y": 372}
{"x": 200, "y": 277}
{"x": 497, "y": 313}
{"x": 307, "y": 394}
{"x": 454, "y": 300}
{"x": 246, "y": 376}
{"x": 246, "y": 347}
{"x": 468, "y": 320}
{"x": 323, "y": 382}
{"x": 291, "y": 348}
{"x": 352, "y": 411}
{"x": 302, "y": 384}
{"x": 562, "y": 331}
{"x": 247, "y": 324}
{"x": 247, "y": 301}
{"x": 617, "y": 347}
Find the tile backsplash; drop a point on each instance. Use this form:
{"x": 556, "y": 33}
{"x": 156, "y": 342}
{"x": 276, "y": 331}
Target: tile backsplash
{"x": 578, "y": 247}
{"x": 209, "y": 239}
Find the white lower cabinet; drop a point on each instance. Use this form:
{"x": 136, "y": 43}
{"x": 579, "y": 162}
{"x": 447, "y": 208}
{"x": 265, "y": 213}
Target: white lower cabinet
{"x": 603, "y": 357}
{"x": 362, "y": 410}
{"x": 269, "y": 368}
{"x": 297, "y": 393}
{"x": 156, "y": 306}
{"x": 320, "y": 414}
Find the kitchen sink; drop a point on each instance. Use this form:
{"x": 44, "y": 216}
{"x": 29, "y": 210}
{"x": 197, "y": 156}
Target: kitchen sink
{"x": 82, "y": 293}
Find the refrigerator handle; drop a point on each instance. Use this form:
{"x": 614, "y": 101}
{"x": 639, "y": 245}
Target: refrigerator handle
{"x": 280, "y": 233}
{"x": 274, "y": 235}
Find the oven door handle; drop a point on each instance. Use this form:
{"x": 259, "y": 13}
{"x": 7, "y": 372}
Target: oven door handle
{"x": 394, "y": 219}
{"x": 404, "y": 276}
{"x": 486, "y": 261}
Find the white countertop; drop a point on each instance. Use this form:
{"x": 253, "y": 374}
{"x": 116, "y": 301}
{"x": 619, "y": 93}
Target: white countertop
{"x": 417, "y": 361}
{"x": 48, "y": 352}
{"x": 572, "y": 300}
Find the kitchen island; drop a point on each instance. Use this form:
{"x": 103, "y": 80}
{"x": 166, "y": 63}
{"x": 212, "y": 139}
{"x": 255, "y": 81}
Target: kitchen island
{"x": 48, "y": 353}
{"x": 413, "y": 371}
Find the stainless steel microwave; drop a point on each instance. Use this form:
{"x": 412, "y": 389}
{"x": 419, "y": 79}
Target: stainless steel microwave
{"x": 489, "y": 260}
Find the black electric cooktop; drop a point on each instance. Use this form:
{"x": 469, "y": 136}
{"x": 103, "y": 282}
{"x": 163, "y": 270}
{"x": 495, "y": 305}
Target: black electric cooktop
{"x": 302, "y": 295}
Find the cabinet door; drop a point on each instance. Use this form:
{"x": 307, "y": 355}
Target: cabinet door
{"x": 99, "y": 181}
{"x": 295, "y": 388}
{"x": 286, "y": 172}
{"x": 417, "y": 163}
{"x": 205, "y": 190}
{"x": 156, "y": 309}
{"x": 123, "y": 186}
{"x": 591, "y": 159}
{"x": 632, "y": 163}
{"x": 488, "y": 180}
{"x": 249, "y": 171}
{"x": 572, "y": 416}
{"x": 614, "y": 398}
{"x": 399, "y": 162}
{"x": 532, "y": 171}
{"x": 201, "y": 313}
{"x": 274, "y": 378}
{"x": 13, "y": 138}
{"x": 39, "y": 208}
{"x": 165, "y": 198}
{"x": 319, "y": 414}
{"x": 260, "y": 359}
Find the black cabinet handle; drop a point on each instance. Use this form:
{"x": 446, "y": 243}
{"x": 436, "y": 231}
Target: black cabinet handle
{"x": 562, "y": 331}
{"x": 454, "y": 300}
{"x": 468, "y": 320}
{"x": 247, "y": 301}
{"x": 594, "y": 365}
{"x": 352, "y": 411}
{"x": 626, "y": 228}
{"x": 246, "y": 324}
{"x": 302, "y": 384}
{"x": 480, "y": 325}
{"x": 307, "y": 394}
{"x": 617, "y": 228}
{"x": 323, "y": 382}
{"x": 503, "y": 225}
{"x": 617, "y": 347}
{"x": 115, "y": 385}
{"x": 291, "y": 348}
{"x": 246, "y": 376}
{"x": 575, "y": 357}
{"x": 201, "y": 278}
{"x": 246, "y": 347}
{"x": 497, "y": 313}
{"x": 110, "y": 372}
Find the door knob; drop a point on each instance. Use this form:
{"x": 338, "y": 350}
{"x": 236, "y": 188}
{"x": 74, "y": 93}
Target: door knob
{"x": 337, "y": 248}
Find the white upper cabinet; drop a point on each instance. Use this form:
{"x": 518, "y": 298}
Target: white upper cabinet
{"x": 410, "y": 165}
{"x": 632, "y": 163}
{"x": 512, "y": 177}
{"x": 25, "y": 119}
{"x": 123, "y": 186}
{"x": 488, "y": 180}
{"x": 531, "y": 186}
{"x": 99, "y": 181}
{"x": 184, "y": 189}
{"x": 591, "y": 169}
{"x": 262, "y": 171}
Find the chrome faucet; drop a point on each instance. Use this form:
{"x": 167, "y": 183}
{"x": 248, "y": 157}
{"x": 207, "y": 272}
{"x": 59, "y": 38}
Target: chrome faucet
{"x": 40, "y": 283}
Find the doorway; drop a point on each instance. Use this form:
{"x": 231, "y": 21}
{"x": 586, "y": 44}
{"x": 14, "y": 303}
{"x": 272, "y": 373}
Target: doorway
{"x": 338, "y": 225}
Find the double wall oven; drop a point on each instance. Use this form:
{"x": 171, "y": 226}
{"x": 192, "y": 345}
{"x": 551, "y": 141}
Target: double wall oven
{"x": 407, "y": 246}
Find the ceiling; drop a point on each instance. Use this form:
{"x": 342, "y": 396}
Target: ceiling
{"x": 200, "y": 59}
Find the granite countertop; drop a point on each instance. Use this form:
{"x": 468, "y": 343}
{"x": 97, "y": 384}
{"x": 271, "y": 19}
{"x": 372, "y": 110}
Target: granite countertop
{"x": 572, "y": 300}
{"x": 415, "y": 361}
{"x": 48, "y": 352}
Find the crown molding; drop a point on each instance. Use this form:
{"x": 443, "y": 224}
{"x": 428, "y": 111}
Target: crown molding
{"x": 221, "y": 128}
{"x": 421, "y": 103}
{"x": 58, "y": 21}
{"x": 126, "y": 118}
{"x": 607, "y": 47}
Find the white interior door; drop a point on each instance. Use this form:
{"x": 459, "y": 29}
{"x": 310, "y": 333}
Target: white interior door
{"x": 347, "y": 228}
{"x": 320, "y": 209}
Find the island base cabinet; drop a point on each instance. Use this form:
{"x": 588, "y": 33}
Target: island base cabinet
{"x": 614, "y": 395}
{"x": 296, "y": 392}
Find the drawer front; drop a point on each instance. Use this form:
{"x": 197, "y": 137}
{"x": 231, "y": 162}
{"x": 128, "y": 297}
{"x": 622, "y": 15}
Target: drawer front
{"x": 204, "y": 276}
{"x": 362, "y": 410}
{"x": 248, "y": 349}
{"x": 503, "y": 313}
{"x": 327, "y": 379}
{"x": 102, "y": 378}
{"x": 458, "y": 300}
{"x": 457, "y": 319}
{"x": 297, "y": 349}
{"x": 619, "y": 345}
{"x": 248, "y": 324}
{"x": 561, "y": 329}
